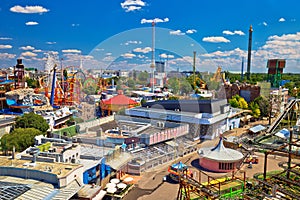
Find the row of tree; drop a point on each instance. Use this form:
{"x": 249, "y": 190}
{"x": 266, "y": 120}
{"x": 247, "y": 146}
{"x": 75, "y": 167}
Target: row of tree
{"x": 260, "y": 107}
{"x": 25, "y": 129}
{"x": 293, "y": 85}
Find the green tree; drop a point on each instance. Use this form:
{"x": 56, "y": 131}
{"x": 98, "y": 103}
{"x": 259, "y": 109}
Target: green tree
{"x": 238, "y": 102}
{"x": 131, "y": 83}
{"x": 213, "y": 85}
{"x": 185, "y": 86}
{"x": 90, "y": 90}
{"x": 32, "y": 83}
{"x": 264, "y": 106}
{"x": 20, "y": 138}
{"x": 243, "y": 103}
{"x": 234, "y": 103}
{"x": 31, "y": 120}
{"x": 254, "y": 107}
{"x": 173, "y": 84}
{"x": 143, "y": 77}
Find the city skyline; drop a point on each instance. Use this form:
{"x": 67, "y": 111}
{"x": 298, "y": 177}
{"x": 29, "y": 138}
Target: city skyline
{"x": 117, "y": 34}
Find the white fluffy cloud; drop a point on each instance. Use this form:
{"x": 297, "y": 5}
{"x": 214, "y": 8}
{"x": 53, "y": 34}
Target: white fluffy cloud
{"x": 31, "y": 23}
{"x": 237, "y": 32}
{"x": 155, "y": 20}
{"x": 108, "y": 58}
{"x": 215, "y": 39}
{"x": 28, "y": 54}
{"x": 141, "y": 56}
{"x": 143, "y": 50}
{"x": 37, "y": 51}
{"x": 281, "y": 19}
{"x": 132, "y": 5}
{"x": 28, "y": 9}
{"x": 5, "y": 56}
{"x": 164, "y": 55}
{"x": 128, "y": 55}
{"x": 71, "y": 51}
{"x": 50, "y": 43}
{"x": 5, "y": 38}
{"x": 5, "y": 46}
{"x": 177, "y": 32}
{"x": 191, "y": 31}
{"x": 27, "y": 48}
{"x": 218, "y": 54}
{"x": 132, "y": 42}
{"x": 285, "y": 46}
{"x": 52, "y": 52}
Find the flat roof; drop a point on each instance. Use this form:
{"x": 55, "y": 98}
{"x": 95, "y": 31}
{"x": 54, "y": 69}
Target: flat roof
{"x": 60, "y": 169}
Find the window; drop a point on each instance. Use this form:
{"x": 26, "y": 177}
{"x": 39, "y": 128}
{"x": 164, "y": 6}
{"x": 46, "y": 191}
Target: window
{"x": 226, "y": 166}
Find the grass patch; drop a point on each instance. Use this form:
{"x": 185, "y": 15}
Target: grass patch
{"x": 269, "y": 174}
{"x": 45, "y": 147}
{"x": 68, "y": 131}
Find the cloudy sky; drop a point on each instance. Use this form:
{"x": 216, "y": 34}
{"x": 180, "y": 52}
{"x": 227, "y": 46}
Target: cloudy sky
{"x": 118, "y": 34}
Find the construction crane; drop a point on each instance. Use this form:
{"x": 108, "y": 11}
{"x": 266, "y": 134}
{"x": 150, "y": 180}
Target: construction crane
{"x": 218, "y": 75}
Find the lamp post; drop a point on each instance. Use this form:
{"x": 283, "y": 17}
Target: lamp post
{"x": 132, "y": 144}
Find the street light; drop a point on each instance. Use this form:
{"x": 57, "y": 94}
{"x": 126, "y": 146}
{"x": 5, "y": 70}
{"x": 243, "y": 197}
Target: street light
{"x": 132, "y": 144}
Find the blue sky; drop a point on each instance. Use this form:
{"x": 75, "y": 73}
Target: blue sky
{"x": 117, "y": 33}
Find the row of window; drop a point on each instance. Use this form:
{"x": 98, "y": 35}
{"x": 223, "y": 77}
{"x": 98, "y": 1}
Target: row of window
{"x": 226, "y": 166}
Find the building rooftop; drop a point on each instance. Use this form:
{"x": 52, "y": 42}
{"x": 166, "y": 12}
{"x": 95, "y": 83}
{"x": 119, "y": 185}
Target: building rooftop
{"x": 221, "y": 153}
{"x": 194, "y": 106}
{"x": 60, "y": 169}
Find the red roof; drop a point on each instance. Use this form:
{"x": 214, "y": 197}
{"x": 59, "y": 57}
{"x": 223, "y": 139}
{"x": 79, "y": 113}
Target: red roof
{"x": 119, "y": 100}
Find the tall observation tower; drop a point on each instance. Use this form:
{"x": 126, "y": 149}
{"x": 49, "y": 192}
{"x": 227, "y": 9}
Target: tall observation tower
{"x": 152, "y": 66}
{"x": 249, "y": 52}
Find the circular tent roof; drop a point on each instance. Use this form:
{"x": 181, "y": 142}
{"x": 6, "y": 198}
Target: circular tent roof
{"x": 220, "y": 153}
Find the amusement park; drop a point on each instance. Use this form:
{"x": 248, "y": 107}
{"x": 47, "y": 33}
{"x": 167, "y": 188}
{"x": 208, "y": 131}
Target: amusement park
{"x": 154, "y": 116}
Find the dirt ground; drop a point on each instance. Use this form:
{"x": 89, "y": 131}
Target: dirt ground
{"x": 151, "y": 185}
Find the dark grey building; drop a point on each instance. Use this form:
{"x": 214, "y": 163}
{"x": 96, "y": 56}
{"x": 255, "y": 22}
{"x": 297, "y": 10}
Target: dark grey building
{"x": 207, "y": 119}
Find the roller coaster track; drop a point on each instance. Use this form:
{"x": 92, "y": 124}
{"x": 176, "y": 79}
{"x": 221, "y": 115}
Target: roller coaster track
{"x": 284, "y": 191}
{"x": 282, "y": 115}
{"x": 281, "y": 178}
{"x": 198, "y": 185}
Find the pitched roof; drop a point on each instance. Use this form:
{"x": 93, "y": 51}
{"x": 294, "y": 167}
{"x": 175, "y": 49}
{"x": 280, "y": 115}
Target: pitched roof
{"x": 119, "y": 100}
{"x": 221, "y": 153}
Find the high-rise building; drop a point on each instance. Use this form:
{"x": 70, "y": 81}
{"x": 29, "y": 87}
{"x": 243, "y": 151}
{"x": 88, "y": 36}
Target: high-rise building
{"x": 160, "y": 66}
